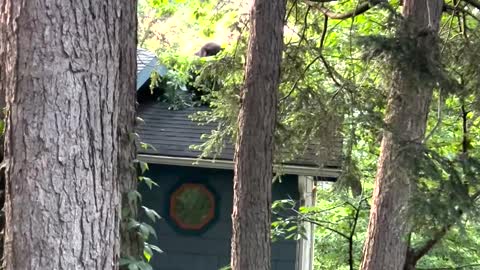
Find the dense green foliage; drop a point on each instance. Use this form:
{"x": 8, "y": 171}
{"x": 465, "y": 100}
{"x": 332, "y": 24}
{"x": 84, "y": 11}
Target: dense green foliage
{"x": 335, "y": 77}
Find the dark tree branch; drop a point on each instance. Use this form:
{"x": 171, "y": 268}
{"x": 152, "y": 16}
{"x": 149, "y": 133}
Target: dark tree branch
{"x": 352, "y": 231}
{"x": 324, "y": 33}
{"x": 305, "y": 25}
{"x": 418, "y": 253}
{"x": 303, "y": 218}
{"x": 290, "y": 10}
{"x": 364, "y": 7}
{"x": 476, "y": 196}
{"x": 452, "y": 9}
{"x": 327, "y": 228}
{"x": 474, "y": 3}
{"x": 361, "y": 8}
{"x": 467, "y": 266}
{"x": 322, "y": 40}
{"x": 330, "y": 71}
{"x": 465, "y": 141}
{"x": 322, "y": 1}
{"x": 299, "y": 78}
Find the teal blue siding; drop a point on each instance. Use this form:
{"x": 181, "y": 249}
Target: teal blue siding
{"x": 209, "y": 250}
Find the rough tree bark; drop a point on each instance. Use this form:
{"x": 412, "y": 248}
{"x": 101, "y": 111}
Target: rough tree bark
{"x": 406, "y": 115}
{"x": 66, "y": 66}
{"x": 253, "y": 159}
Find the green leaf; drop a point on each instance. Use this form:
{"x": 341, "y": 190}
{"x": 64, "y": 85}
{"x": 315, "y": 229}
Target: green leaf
{"x": 147, "y": 252}
{"x": 147, "y": 146}
{"x": 155, "y": 248}
{"x": 126, "y": 261}
{"x": 151, "y": 214}
{"x": 143, "y": 166}
{"x": 134, "y": 266}
{"x": 140, "y": 120}
{"x": 145, "y": 230}
{"x": 133, "y": 224}
{"x": 134, "y": 197}
{"x": 150, "y": 183}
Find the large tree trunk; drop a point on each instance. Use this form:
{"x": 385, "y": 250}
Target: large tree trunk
{"x": 254, "y": 148}
{"x": 406, "y": 117}
{"x": 64, "y": 75}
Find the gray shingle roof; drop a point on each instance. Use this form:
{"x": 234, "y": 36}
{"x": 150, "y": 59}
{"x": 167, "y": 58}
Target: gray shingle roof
{"x": 171, "y": 132}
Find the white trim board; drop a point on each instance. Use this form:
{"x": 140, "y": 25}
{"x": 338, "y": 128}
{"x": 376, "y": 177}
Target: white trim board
{"x": 228, "y": 165}
{"x": 305, "y": 246}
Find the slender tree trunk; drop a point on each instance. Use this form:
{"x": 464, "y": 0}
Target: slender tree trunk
{"x": 254, "y": 148}
{"x": 64, "y": 75}
{"x": 406, "y": 116}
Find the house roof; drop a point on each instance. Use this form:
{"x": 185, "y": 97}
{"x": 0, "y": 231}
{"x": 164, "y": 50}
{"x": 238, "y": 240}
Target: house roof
{"x": 172, "y": 133}
{"x": 147, "y": 62}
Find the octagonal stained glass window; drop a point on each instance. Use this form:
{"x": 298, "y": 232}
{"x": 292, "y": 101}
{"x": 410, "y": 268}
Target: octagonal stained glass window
{"x": 192, "y": 206}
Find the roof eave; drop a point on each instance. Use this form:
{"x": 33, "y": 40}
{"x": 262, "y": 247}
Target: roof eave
{"x": 229, "y": 165}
